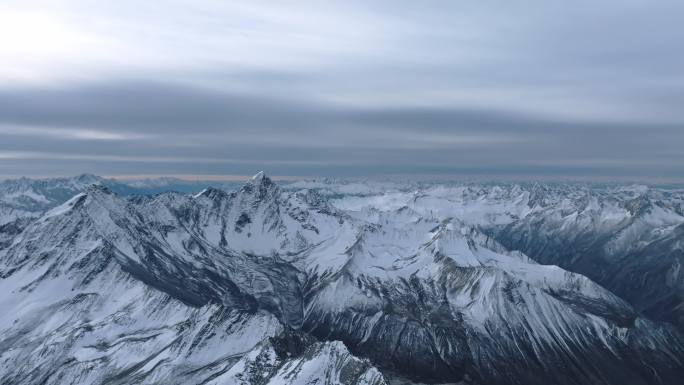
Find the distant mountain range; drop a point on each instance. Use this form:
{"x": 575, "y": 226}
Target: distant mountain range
{"x": 335, "y": 282}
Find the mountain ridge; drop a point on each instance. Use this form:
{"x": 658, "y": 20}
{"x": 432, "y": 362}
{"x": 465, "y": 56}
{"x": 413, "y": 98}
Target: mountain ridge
{"x": 430, "y": 297}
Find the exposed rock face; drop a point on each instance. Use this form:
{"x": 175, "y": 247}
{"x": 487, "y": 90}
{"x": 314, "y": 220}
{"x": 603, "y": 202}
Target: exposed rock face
{"x": 271, "y": 286}
{"x": 631, "y": 242}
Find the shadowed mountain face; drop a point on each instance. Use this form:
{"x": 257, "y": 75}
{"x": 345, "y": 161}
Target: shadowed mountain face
{"x": 631, "y": 242}
{"x": 339, "y": 284}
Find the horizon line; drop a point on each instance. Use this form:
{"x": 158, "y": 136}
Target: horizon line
{"x": 392, "y": 178}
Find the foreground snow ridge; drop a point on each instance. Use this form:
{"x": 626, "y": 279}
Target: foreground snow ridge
{"x": 326, "y": 283}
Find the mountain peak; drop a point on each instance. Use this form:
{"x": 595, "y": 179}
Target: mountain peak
{"x": 260, "y": 179}
{"x": 212, "y": 193}
{"x": 260, "y": 185}
{"x": 97, "y": 189}
{"x": 88, "y": 178}
{"x": 259, "y": 176}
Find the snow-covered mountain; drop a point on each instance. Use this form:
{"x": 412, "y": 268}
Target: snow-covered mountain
{"x": 626, "y": 238}
{"x": 630, "y": 240}
{"x": 105, "y": 290}
{"x": 23, "y": 200}
{"x": 34, "y": 195}
{"x": 322, "y": 283}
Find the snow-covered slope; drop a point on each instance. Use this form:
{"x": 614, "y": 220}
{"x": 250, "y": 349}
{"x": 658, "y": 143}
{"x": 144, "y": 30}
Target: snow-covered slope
{"x": 34, "y": 195}
{"x": 626, "y": 238}
{"x": 23, "y": 200}
{"x": 265, "y": 285}
{"x": 97, "y": 293}
{"x": 442, "y": 300}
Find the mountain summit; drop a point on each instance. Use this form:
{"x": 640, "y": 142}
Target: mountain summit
{"x": 274, "y": 285}
{"x": 258, "y": 176}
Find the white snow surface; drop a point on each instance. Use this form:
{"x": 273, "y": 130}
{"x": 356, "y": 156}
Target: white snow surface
{"x": 184, "y": 289}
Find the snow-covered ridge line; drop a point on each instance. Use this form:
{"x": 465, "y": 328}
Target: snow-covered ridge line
{"x": 256, "y": 285}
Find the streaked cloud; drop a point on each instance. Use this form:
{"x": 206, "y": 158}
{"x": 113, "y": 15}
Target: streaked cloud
{"x": 41, "y": 133}
{"x": 492, "y": 89}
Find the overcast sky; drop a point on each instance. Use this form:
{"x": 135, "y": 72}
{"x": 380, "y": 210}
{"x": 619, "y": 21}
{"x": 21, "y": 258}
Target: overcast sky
{"x": 452, "y": 89}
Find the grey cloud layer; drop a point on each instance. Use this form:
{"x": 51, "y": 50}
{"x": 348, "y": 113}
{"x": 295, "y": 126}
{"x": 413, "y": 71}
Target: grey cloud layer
{"x": 177, "y": 129}
{"x": 490, "y": 89}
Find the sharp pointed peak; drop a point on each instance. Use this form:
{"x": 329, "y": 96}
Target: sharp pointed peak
{"x": 259, "y": 176}
{"x": 260, "y": 179}
{"x": 260, "y": 186}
